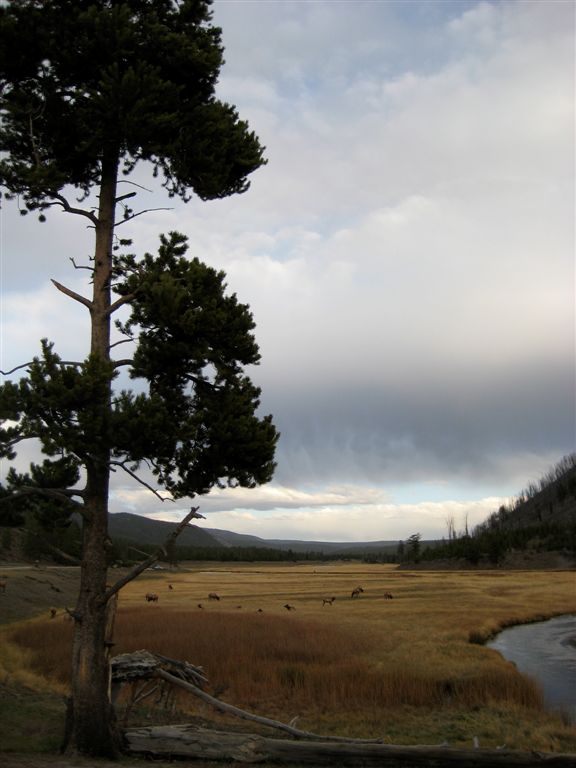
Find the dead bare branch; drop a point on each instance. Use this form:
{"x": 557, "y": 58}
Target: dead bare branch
{"x": 73, "y": 295}
{"x": 80, "y": 266}
{"x": 125, "y": 197}
{"x": 140, "y": 213}
{"x": 61, "y": 200}
{"x": 134, "y": 184}
{"x": 125, "y": 361}
{"x": 122, "y": 465}
{"x": 230, "y": 709}
{"x": 17, "y": 368}
{"x": 122, "y": 341}
{"x": 120, "y": 303}
{"x": 151, "y": 559}
{"x": 76, "y": 363}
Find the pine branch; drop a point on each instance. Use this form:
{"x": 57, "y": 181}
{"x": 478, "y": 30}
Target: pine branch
{"x": 162, "y": 550}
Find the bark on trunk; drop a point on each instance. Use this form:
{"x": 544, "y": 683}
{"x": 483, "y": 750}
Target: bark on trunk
{"x": 91, "y": 729}
{"x": 185, "y": 741}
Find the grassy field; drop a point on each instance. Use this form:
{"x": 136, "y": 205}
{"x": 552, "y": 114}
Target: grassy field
{"x": 409, "y": 668}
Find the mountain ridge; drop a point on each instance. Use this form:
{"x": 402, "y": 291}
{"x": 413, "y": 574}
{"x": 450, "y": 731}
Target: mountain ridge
{"x": 144, "y": 530}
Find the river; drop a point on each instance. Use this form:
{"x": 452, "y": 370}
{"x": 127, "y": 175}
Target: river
{"x": 546, "y": 652}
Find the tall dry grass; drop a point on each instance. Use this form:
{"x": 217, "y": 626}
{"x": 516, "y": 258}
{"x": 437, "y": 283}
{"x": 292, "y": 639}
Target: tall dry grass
{"x": 266, "y": 661}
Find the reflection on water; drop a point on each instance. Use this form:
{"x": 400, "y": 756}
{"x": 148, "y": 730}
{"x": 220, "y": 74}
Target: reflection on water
{"x": 546, "y": 652}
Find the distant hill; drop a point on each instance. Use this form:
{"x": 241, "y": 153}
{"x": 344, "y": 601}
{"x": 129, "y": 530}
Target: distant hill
{"x": 229, "y": 539}
{"x": 142, "y": 530}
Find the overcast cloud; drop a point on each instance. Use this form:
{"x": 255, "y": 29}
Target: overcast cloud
{"x": 408, "y": 255}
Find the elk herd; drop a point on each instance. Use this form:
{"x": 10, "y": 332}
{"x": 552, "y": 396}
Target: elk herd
{"x": 152, "y": 597}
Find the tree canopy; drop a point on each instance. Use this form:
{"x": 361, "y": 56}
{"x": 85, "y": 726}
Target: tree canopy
{"x": 88, "y": 80}
{"x": 192, "y": 419}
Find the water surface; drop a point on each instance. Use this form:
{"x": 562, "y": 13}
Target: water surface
{"x": 546, "y": 652}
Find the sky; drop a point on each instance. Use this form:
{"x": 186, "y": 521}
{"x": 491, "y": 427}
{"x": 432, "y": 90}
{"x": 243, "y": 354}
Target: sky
{"x": 408, "y": 254}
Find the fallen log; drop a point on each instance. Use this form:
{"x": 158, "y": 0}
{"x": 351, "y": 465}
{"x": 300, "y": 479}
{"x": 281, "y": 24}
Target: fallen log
{"x": 191, "y": 742}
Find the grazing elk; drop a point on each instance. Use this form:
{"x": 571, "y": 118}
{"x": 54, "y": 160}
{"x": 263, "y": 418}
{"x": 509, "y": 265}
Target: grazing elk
{"x": 53, "y": 612}
{"x": 327, "y": 601}
{"x": 151, "y": 597}
{"x": 213, "y": 596}
{"x": 289, "y": 607}
{"x": 356, "y": 592}
{"x": 170, "y": 587}
{"x": 388, "y": 596}
{"x": 200, "y": 606}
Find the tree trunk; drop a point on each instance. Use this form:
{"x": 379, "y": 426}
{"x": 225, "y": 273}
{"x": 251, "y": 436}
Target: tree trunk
{"x": 91, "y": 722}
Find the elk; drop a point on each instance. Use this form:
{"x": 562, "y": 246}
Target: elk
{"x": 170, "y": 587}
{"x": 213, "y": 596}
{"x": 151, "y": 597}
{"x": 53, "y": 612}
{"x": 356, "y": 592}
{"x": 3, "y": 582}
{"x": 388, "y": 596}
{"x": 327, "y": 601}
{"x": 200, "y": 605}
{"x": 289, "y": 607}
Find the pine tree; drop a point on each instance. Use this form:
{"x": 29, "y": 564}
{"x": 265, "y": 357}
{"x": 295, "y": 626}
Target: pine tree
{"x": 88, "y": 89}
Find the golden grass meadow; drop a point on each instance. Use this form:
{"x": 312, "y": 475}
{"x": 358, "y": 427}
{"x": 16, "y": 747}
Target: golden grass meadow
{"x": 410, "y": 669}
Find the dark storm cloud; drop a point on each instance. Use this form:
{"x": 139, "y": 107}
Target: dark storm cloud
{"x": 373, "y": 434}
